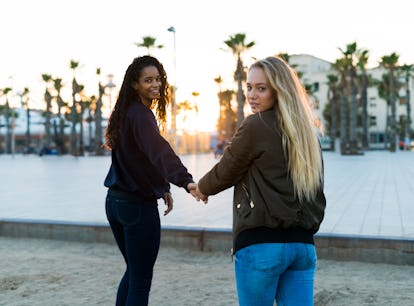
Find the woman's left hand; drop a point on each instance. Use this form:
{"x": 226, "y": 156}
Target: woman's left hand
{"x": 168, "y": 200}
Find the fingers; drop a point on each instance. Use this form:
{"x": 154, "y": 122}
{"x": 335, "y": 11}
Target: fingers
{"x": 196, "y": 193}
{"x": 168, "y": 199}
{"x": 199, "y": 194}
{"x": 192, "y": 188}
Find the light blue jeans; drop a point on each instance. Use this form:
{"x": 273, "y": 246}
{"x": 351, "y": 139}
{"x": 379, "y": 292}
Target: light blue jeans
{"x": 283, "y": 272}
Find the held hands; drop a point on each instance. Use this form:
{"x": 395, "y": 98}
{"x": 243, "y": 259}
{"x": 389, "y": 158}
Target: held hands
{"x": 196, "y": 193}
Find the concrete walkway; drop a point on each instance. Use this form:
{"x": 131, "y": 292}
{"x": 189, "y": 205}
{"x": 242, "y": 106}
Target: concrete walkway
{"x": 369, "y": 196}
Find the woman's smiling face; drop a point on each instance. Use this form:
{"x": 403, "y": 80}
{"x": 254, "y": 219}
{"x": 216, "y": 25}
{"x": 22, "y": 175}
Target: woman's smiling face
{"x": 148, "y": 85}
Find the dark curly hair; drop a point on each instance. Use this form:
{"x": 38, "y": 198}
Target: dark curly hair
{"x": 128, "y": 95}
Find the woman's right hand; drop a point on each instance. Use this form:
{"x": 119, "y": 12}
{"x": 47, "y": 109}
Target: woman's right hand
{"x": 196, "y": 193}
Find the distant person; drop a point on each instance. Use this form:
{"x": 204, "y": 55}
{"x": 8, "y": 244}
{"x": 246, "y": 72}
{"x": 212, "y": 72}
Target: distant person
{"x": 274, "y": 161}
{"x": 143, "y": 164}
{"x": 221, "y": 144}
{"x": 407, "y": 143}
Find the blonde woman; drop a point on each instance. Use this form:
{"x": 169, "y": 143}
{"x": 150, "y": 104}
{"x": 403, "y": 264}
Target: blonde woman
{"x": 274, "y": 162}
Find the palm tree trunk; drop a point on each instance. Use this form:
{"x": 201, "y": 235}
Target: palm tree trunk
{"x": 241, "y": 99}
{"x": 61, "y": 133}
{"x": 353, "y": 142}
{"x": 81, "y": 142}
{"x": 387, "y": 127}
{"x": 334, "y": 103}
{"x": 344, "y": 117}
{"x": 408, "y": 105}
{"x": 365, "y": 119}
{"x": 98, "y": 123}
{"x": 73, "y": 139}
{"x": 28, "y": 136}
{"x": 48, "y": 99}
{"x": 73, "y": 136}
{"x": 7, "y": 115}
{"x": 393, "y": 131}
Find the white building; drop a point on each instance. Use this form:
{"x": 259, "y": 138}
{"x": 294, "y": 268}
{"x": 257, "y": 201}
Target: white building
{"x": 315, "y": 71}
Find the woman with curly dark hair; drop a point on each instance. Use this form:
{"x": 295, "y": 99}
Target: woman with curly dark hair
{"x": 143, "y": 164}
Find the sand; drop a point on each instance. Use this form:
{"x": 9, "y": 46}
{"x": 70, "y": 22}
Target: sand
{"x": 49, "y": 272}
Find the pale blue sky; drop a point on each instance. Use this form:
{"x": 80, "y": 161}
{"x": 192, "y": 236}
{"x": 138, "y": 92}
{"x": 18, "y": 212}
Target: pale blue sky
{"x": 42, "y": 36}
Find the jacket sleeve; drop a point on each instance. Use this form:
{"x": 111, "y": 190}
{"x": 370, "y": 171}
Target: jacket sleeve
{"x": 236, "y": 161}
{"x": 158, "y": 150}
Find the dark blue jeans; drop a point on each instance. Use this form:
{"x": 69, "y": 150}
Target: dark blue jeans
{"x": 137, "y": 231}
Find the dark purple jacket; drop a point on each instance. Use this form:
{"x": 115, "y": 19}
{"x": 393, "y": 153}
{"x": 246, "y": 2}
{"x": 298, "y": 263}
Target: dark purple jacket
{"x": 143, "y": 162}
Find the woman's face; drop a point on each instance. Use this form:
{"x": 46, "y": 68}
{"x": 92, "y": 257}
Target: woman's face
{"x": 148, "y": 85}
{"x": 259, "y": 93}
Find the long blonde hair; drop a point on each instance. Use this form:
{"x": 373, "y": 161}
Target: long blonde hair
{"x": 297, "y": 123}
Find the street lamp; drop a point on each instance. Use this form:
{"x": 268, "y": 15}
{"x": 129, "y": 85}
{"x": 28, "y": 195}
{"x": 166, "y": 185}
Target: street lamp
{"x": 174, "y": 88}
{"x": 110, "y": 85}
{"x": 195, "y": 95}
{"x": 172, "y": 30}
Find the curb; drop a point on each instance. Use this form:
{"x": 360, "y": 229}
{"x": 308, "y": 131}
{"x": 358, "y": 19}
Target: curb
{"x": 390, "y": 250}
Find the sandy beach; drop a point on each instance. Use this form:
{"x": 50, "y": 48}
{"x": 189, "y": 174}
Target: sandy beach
{"x": 55, "y": 273}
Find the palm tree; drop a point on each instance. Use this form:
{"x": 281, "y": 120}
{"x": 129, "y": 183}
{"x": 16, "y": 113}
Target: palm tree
{"x": 99, "y": 150}
{"x": 84, "y": 103}
{"x": 383, "y": 93}
{"x": 91, "y": 105}
{"x": 7, "y": 112}
{"x": 60, "y": 138}
{"x": 148, "y": 42}
{"x": 76, "y": 88}
{"x": 25, "y": 104}
{"x": 48, "y": 112}
{"x": 195, "y": 94}
{"x": 184, "y": 107}
{"x": 229, "y": 117}
{"x": 219, "y": 81}
{"x": 349, "y": 56}
{"x": 340, "y": 66}
{"x": 408, "y": 73}
{"x": 333, "y": 101}
{"x": 390, "y": 63}
{"x": 285, "y": 56}
{"x": 238, "y": 46}
{"x": 364, "y": 81}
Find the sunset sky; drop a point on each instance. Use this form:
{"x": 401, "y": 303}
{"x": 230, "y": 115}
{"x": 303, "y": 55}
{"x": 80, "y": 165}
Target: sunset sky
{"x": 43, "y": 36}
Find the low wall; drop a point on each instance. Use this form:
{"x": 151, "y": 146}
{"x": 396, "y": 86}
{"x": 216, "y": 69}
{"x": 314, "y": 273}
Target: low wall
{"x": 336, "y": 247}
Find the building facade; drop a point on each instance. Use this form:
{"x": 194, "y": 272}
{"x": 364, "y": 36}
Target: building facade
{"x": 314, "y": 73}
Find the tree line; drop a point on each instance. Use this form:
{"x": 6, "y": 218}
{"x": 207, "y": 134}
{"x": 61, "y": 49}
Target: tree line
{"x": 345, "y": 114}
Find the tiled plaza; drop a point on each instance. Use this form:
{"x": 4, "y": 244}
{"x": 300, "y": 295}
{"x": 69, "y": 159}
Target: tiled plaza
{"x": 367, "y": 195}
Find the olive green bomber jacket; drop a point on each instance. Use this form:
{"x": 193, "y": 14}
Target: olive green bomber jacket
{"x": 254, "y": 163}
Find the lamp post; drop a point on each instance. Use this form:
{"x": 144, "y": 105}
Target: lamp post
{"x": 174, "y": 88}
{"x": 195, "y": 94}
{"x": 110, "y": 85}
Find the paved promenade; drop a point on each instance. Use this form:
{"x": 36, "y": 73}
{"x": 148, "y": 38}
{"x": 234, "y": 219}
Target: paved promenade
{"x": 369, "y": 195}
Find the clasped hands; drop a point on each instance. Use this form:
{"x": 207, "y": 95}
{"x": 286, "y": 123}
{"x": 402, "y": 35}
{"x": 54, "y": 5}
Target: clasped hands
{"x": 196, "y": 193}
